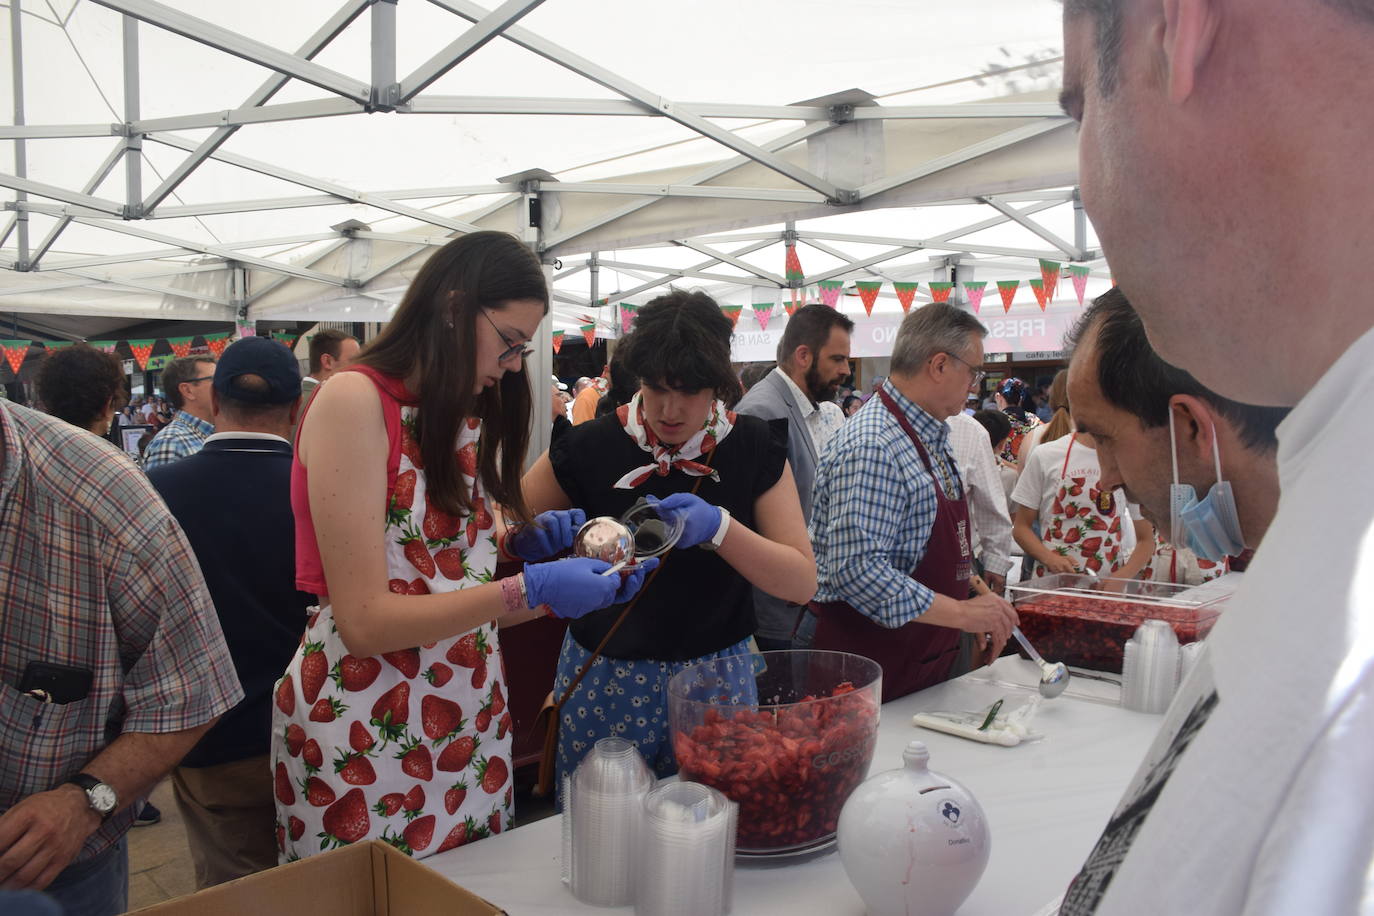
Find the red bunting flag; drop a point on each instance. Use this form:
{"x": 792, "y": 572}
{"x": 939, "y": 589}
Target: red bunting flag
{"x": 1049, "y": 276}
{"x": 732, "y": 312}
{"x": 762, "y": 312}
{"x": 285, "y": 338}
{"x": 793, "y": 269}
{"x": 57, "y": 344}
{"x": 906, "y": 294}
{"x": 974, "y": 290}
{"x": 1007, "y": 290}
{"x": 557, "y": 341}
{"x": 868, "y": 292}
{"x": 588, "y": 333}
{"x": 142, "y": 349}
{"x": 1079, "y": 276}
{"x": 217, "y": 343}
{"x": 1041, "y": 296}
{"x": 181, "y": 346}
{"x": 940, "y": 290}
{"x": 15, "y": 351}
{"x": 830, "y": 292}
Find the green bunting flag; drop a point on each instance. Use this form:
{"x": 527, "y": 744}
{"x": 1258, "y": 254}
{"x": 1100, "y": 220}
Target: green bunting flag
{"x": 285, "y": 338}
{"x": 217, "y": 343}
{"x": 868, "y": 292}
{"x": 1049, "y": 276}
{"x": 1007, "y": 290}
{"x": 588, "y": 333}
{"x": 732, "y": 312}
{"x": 940, "y": 290}
{"x": 1079, "y": 276}
{"x": 973, "y": 289}
{"x": 557, "y": 341}
{"x": 57, "y": 344}
{"x": 142, "y": 349}
{"x": 793, "y": 268}
{"x": 181, "y": 346}
{"x": 1041, "y": 294}
{"x": 906, "y": 294}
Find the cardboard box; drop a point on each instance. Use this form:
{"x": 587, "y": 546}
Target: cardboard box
{"x": 365, "y": 879}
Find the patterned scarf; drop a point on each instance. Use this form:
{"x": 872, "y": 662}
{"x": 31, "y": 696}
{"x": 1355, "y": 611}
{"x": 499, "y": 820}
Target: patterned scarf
{"x": 718, "y": 424}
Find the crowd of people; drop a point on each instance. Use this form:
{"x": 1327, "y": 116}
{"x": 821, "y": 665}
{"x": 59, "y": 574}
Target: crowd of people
{"x": 305, "y": 627}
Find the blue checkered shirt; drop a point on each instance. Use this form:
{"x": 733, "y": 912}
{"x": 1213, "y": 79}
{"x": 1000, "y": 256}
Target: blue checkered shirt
{"x": 874, "y": 507}
{"x": 182, "y": 437}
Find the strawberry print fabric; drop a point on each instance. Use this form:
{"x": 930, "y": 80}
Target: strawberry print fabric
{"x": 1078, "y": 519}
{"x": 410, "y": 747}
{"x": 718, "y": 424}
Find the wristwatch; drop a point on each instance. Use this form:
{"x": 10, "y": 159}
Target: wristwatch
{"x": 719, "y": 537}
{"x": 101, "y": 797}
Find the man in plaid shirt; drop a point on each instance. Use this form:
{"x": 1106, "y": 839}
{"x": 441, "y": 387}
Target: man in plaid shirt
{"x": 112, "y": 662}
{"x": 187, "y": 384}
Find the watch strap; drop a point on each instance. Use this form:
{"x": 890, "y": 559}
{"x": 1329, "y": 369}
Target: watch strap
{"x": 88, "y": 784}
{"x": 85, "y": 780}
{"x": 713, "y": 543}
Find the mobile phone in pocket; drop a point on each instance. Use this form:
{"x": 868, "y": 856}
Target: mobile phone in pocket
{"x": 54, "y": 683}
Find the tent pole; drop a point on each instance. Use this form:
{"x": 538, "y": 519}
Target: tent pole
{"x": 1080, "y": 224}
{"x": 384, "y": 85}
{"x": 133, "y": 143}
{"x": 21, "y": 162}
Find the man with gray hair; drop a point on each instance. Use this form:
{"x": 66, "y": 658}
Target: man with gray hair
{"x": 889, "y": 522}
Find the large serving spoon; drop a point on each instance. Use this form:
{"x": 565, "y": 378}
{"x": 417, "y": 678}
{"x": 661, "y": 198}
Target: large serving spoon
{"x": 1054, "y": 678}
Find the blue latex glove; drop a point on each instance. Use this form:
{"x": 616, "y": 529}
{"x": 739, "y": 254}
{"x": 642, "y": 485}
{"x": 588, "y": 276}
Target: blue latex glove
{"x": 632, "y": 579}
{"x": 572, "y": 588}
{"x": 700, "y": 519}
{"x": 551, "y": 533}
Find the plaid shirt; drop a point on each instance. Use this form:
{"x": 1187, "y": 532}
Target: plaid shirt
{"x": 874, "y": 505}
{"x": 95, "y": 575}
{"x": 182, "y": 437}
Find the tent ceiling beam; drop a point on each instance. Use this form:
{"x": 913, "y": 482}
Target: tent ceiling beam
{"x": 256, "y": 114}
{"x": 329, "y": 249}
{"x": 861, "y": 264}
{"x": 569, "y": 271}
{"x": 230, "y": 42}
{"x": 314, "y": 200}
{"x": 689, "y": 272}
{"x": 733, "y": 261}
{"x": 1016, "y": 216}
{"x": 939, "y": 243}
{"x": 483, "y": 31}
{"x": 960, "y": 156}
{"x": 53, "y": 192}
{"x": 95, "y": 181}
{"x": 104, "y": 260}
{"x": 385, "y": 266}
{"x": 621, "y": 295}
{"x": 836, "y": 253}
{"x": 621, "y": 86}
{"x": 133, "y": 143}
{"x": 675, "y": 190}
{"x": 313, "y": 45}
{"x": 425, "y": 241}
{"x": 154, "y": 288}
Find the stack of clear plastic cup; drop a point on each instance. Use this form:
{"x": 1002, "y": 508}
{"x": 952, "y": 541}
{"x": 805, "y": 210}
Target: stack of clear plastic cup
{"x": 602, "y": 814}
{"x": 1150, "y": 666}
{"x": 686, "y": 851}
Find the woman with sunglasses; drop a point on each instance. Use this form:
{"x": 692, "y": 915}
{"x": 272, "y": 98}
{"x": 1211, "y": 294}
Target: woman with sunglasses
{"x": 390, "y": 721}
{"x": 742, "y": 529}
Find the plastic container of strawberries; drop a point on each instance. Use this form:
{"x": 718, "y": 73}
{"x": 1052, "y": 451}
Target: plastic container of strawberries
{"x": 1084, "y": 621}
{"x": 789, "y": 752}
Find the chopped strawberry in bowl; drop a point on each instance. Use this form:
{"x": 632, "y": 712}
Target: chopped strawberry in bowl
{"x": 788, "y": 744}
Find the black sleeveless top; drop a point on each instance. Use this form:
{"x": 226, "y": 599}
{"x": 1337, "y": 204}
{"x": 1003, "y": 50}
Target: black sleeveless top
{"x": 698, "y": 604}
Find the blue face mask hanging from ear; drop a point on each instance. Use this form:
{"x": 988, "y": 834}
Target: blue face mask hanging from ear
{"x": 1209, "y": 527}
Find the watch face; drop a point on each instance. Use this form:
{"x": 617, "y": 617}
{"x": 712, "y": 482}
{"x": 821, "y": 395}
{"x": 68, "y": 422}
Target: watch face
{"x": 102, "y": 798}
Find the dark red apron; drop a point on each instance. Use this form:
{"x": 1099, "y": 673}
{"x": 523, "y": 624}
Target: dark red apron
{"x": 915, "y": 655}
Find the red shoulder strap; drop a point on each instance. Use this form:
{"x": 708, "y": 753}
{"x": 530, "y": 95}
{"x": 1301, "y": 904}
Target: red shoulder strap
{"x": 391, "y": 393}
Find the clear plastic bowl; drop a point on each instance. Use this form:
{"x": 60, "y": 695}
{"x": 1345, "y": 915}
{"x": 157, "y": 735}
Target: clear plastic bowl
{"x": 654, "y": 533}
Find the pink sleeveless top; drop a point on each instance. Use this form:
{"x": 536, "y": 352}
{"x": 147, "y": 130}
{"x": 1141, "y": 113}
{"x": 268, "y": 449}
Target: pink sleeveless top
{"x": 309, "y": 566}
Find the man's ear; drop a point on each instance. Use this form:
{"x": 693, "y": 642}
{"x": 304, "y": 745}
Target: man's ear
{"x": 802, "y": 357}
{"x": 214, "y": 402}
{"x": 1190, "y": 30}
{"x": 1194, "y": 426}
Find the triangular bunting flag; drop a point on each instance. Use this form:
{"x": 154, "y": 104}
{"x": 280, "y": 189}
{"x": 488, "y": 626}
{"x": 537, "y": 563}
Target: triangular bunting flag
{"x": 104, "y": 346}
{"x": 830, "y": 291}
{"x": 245, "y": 329}
{"x": 15, "y": 351}
{"x": 56, "y": 344}
{"x": 142, "y": 349}
{"x": 217, "y": 343}
{"x": 285, "y": 338}
{"x": 1079, "y": 275}
{"x": 1049, "y": 276}
{"x": 557, "y": 341}
{"x": 906, "y": 294}
{"x": 181, "y": 346}
{"x": 1041, "y": 296}
{"x": 762, "y": 312}
{"x": 974, "y": 290}
{"x": 588, "y": 333}
{"x": 732, "y": 312}
{"x": 627, "y": 316}
{"x": 940, "y": 290}
{"x": 600, "y": 303}
{"x": 868, "y": 292}
{"x": 793, "y": 269}
{"x": 1007, "y": 290}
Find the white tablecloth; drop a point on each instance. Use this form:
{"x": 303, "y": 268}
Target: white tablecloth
{"x": 1046, "y": 803}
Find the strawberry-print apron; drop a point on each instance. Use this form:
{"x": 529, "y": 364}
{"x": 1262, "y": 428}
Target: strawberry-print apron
{"x": 411, "y": 747}
{"x": 1085, "y": 523}
{"x": 1180, "y": 566}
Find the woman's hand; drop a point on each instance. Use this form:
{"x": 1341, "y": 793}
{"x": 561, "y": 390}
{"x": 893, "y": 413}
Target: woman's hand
{"x": 1058, "y": 563}
{"x": 700, "y": 519}
{"x": 551, "y": 533}
{"x": 572, "y": 588}
{"x": 632, "y": 579}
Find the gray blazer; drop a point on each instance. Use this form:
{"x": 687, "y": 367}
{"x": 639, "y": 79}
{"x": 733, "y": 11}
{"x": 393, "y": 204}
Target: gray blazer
{"x": 772, "y": 399}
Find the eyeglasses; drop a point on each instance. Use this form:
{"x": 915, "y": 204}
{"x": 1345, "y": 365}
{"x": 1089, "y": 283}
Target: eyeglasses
{"x": 199, "y": 378}
{"x": 512, "y": 349}
{"x": 978, "y": 374}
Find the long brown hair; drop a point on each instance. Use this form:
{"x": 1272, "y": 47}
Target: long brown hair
{"x": 433, "y": 335}
{"x": 1061, "y": 424}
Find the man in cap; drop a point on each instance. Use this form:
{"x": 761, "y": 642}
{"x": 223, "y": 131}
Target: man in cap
{"x": 233, "y": 498}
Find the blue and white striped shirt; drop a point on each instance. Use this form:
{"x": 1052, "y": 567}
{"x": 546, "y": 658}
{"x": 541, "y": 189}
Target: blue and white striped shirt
{"x": 182, "y": 437}
{"x": 874, "y": 507}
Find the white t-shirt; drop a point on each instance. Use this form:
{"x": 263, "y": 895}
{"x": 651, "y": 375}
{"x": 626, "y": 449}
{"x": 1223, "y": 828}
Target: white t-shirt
{"x": 1041, "y": 477}
{"x": 1270, "y": 809}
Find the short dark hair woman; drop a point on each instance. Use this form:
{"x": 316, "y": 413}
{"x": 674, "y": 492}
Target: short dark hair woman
{"x": 407, "y": 462}
{"x": 674, "y": 433}
{"x": 83, "y": 386}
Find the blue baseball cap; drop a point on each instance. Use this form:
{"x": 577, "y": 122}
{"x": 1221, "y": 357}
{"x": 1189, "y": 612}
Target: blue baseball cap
{"x": 268, "y": 359}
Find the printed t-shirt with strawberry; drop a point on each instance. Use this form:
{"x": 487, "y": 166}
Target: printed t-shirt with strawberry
{"x": 411, "y": 747}
{"x": 1077, "y": 520}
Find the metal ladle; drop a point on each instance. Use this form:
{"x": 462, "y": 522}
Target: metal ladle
{"x": 1054, "y": 678}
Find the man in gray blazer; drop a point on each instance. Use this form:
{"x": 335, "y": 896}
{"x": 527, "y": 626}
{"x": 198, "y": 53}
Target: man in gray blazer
{"x": 813, "y": 358}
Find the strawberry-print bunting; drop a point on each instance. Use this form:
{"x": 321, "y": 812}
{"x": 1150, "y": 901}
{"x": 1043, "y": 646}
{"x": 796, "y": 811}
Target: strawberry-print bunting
{"x": 762, "y": 312}
{"x": 628, "y": 313}
{"x": 732, "y": 312}
{"x": 57, "y": 344}
{"x": 829, "y": 291}
{"x": 142, "y": 349}
{"x": 868, "y": 292}
{"x": 284, "y": 338}
{"x": 15, "y": 352}
{"x": 217, "y": 343}
{"x": 906, "y": 294}
{"x": 245, "y": 329}
{"x": 1079, "y": 276}
{"x": 974, "y": 289}
{"x": 940, "y": 290}
{"x": 181, "y": 346}
{"x": 1007, "y": 290}
{"x": 1041, "y": 294}
{"x": 588, "y": 333}
{"x": 1049, "y": 276}
{"x": 412, "y": 746}
{"x": 557, "y": 341}
{"x": 792, "y": 264}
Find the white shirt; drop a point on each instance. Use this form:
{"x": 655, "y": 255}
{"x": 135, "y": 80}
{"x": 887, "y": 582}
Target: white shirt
{"x": 1270, "y": 810}
{"x": 1038, "y": 488}
{"x": 987, "y": 503}
{"x": 820, "y": 423}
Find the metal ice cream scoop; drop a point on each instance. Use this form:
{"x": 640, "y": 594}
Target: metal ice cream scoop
{"x": 1054, "y": 678}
